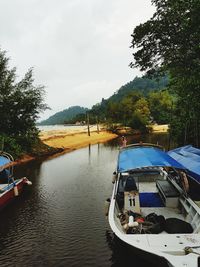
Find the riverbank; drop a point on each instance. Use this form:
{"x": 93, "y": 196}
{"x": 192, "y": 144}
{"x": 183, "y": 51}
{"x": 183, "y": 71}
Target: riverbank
{"x": 156, "y": 128}
{"x": 57, "y": 142}
{"x": 75, "y": 139}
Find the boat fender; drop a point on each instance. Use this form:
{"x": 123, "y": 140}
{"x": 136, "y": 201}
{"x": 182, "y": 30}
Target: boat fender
{"x": 131, "y": 222}
{"x": 126, "y": 227}
{"x": 185, "y": 182}
{"x": 27, "y": 182}
{"x": 16, "y": 192}
{"x": 114, "y": 178}
{"x": 107, "y": 206}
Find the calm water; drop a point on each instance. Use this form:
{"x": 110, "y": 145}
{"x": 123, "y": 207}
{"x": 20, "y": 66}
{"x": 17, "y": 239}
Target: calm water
{"x": 60, "y": 220}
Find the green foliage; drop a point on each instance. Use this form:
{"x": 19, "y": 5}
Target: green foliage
{"x": 20, "y": 104}
{"x": 144, "y": 85}
{"x": 161, "y": 104}
{"x": 10, "y": 145}
{"x": 131, "y": 105}
{"x": 169, "y": 41}
{"x": 65, "y": 116}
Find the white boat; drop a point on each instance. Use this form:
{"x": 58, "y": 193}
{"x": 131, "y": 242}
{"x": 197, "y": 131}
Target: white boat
{"x": 151, "y": 209}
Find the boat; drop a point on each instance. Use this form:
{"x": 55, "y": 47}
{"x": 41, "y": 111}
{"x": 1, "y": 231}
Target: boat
{"x": 10, "y": 188}
{"x": 151, "y": 210}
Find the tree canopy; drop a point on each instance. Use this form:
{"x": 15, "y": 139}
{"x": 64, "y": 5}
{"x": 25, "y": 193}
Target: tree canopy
{"x": 20, "y": 105}
{"x": 170, "y": 42}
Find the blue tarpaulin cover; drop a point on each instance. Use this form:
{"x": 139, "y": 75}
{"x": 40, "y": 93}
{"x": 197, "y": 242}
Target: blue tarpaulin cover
{"x": 3, "y": 161}
{"x": 189, "y": 157}
{"x": 140, "y": 157}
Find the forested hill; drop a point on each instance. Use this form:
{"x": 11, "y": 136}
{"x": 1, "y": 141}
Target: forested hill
{"x": 144, "y": 85}
{"x": 63, "y": 116}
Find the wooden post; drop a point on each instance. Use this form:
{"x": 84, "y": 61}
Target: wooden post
{"x": 88, "y": 124}
{"x": 97, "y": 124}
{"x": 169, "y": 140}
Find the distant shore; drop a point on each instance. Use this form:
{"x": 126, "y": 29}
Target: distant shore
{"x": 71, "y": 139}
{"x": 66, "y": 139}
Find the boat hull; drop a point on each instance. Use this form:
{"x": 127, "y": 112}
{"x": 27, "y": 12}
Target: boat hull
{"x": 150, "y": 258}
{"x": 9, "y": 195}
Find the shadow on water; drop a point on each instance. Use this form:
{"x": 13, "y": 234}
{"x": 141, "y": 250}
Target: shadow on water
{"x": 60, "y": 220}
{"x": 124, "y": 255}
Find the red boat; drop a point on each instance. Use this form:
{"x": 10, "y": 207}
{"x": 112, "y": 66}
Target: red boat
{"x": 10, "y": 188}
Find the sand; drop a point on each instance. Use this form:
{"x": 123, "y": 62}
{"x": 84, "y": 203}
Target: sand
{"x": 71, "y": 139}
{"x": 159, "y": 128}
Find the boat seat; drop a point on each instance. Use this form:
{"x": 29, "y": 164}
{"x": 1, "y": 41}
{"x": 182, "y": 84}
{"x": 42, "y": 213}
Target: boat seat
{"x": 167, "y": 188}
{"x": 130, "y": 184}
{"x": 168, "y": 193}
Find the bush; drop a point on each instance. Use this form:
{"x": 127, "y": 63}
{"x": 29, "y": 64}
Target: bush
{"x": 10, "y": 145}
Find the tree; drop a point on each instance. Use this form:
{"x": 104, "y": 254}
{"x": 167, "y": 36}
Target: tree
{"x": 20, "y": 104}
{"x": 169, "y": 41}
{"x": 160, "y": 104}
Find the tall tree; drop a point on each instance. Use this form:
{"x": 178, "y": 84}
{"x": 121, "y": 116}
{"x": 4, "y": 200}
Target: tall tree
{"x": 170, "y": 41}
{"x": 160, "y": 104}
{"x": 20, "y": 103}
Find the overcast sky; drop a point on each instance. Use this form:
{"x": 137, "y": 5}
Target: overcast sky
{"x": 79, "y": 48}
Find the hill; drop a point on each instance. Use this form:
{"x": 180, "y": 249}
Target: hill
{"x": 143, "y": 85}
{"x": 63, "y": 116}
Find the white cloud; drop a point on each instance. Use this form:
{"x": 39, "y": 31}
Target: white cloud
{"x": 79, "y": 49}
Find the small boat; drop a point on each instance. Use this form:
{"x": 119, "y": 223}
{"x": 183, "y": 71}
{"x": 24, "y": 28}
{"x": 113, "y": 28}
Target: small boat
{"x": 9, "y": 187}
{"x": 151, "y": 209}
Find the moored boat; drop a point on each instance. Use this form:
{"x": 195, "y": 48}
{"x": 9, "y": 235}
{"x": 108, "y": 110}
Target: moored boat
{"x": 151, "y": 209}
{"x": 9, "y": 187}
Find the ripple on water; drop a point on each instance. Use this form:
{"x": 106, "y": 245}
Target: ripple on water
{"x": 60, "y": 221}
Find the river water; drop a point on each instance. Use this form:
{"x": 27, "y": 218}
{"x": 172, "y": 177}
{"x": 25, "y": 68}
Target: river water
{"x": 60, "y": 220}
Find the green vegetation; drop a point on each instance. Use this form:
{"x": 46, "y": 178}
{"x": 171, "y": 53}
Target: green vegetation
{"x": 136, "y": 104}
{"x": 131, "y": 106}
{"x": 166, "y": 47}
{"x": 170, "y": 42}
{"x": 65, "y": 116}
{"x": 20, "y": 104}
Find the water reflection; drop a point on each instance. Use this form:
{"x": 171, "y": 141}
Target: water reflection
{"x": 60, "y": 220}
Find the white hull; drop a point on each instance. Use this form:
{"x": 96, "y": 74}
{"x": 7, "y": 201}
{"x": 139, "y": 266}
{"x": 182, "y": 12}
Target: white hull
{"x": 168, "y": 246}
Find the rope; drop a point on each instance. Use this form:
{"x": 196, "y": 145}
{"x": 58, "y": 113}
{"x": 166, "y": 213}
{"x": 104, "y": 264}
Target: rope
{"x": 189, "y": 250}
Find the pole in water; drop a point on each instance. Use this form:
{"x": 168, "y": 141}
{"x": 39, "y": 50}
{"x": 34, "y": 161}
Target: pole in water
{"x": 97, "y": 124}
{"x": 88, "y": 124}
{"x": 124, "y": 141}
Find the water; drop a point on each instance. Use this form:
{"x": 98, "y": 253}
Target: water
{"x": 60, "y": 220}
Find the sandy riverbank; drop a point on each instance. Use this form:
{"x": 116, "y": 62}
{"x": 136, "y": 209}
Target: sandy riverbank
{"x": 73, "y": 139}
{"x": 155, "y": 128}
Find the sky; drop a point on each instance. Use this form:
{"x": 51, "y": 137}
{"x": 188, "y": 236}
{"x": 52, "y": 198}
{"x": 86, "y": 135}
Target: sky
{"x": 79, "y": 49}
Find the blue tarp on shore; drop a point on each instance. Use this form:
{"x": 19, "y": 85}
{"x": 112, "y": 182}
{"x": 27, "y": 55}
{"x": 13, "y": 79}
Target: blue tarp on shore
{"x": 189, "y": 157}
{"x": 141, "y": 157}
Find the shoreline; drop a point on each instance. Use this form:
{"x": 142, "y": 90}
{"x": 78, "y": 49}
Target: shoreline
{"x": 61, "y": 141}
{"x": 72, "y": 141}
{"x": 65, "y": 141}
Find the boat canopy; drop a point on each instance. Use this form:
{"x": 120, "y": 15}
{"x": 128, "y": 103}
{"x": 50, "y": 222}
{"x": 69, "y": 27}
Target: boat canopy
{"x": 141, "y": 157}
{"x": 3, "y": 161}
{"x": 189, "y": 157}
